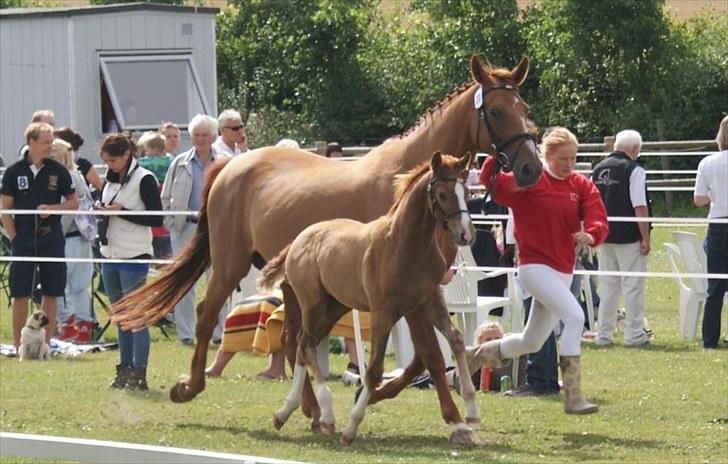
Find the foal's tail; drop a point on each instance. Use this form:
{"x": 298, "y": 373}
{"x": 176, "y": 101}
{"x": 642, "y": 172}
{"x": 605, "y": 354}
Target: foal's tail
{"x": 273, "y": 272}
{"x": 146, "y": 305}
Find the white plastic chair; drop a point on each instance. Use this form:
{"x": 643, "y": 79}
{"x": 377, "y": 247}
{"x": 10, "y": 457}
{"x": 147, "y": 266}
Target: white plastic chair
{"x": 692, "y": 291}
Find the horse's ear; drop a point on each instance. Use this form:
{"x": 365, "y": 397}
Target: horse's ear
{"x": 478, "y": 72}
{"x": 436, "y": 161}
{"x": 520, "y": 72}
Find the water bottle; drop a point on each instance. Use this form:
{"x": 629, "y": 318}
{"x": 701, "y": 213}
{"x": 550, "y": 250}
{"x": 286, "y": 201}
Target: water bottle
{"x": 505, "y": 383}
{"x": 485, "y": 373}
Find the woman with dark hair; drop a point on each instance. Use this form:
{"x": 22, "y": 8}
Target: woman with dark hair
{"x": 89, "y": 172}
{"x": 129, "y": 187}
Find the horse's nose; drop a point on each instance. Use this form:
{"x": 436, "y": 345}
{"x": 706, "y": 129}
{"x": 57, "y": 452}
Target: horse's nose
{"x": 526, "y": 170}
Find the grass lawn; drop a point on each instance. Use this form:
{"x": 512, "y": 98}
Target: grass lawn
{"x": 657, "y": 404}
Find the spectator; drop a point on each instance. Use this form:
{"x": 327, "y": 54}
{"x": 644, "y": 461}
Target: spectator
{"x": 711, "y": 187}
{"x": 621, "y": 183}
{"x": 88, "y": 171}
{"x": 36, "y": 182}
{"x": 334, "y": 150}
{"x": 232, "y": 140}
{"x": 45, "y": 116}
{"x": 158, "y": 162}
{"x": 170, "y": 131}
{"x": 182, "y": 191}
{"x": 288, "y": 143}
{"x": 74, "y": 309}
{"x": 129, "y": 187}
{"x": 548, "y": 220}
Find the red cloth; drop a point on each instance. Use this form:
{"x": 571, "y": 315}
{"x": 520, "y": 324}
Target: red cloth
{"x": 546, "y": 214}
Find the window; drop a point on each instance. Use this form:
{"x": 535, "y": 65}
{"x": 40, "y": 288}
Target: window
{"x": 141, "y": 92}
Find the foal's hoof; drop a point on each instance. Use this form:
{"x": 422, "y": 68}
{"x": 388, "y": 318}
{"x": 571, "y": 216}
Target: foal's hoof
{"x": 277, "y": 422}
{"x": 473, "y": 422}
{"x": 464, "y": 436}
{"x": 179, "y": 393}
{"x": 345, "y": 439}
{"x": 316, "y": 426}
{"x": 328, "y": 429}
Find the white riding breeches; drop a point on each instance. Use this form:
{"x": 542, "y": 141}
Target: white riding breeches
{"x": 552, "y": 300}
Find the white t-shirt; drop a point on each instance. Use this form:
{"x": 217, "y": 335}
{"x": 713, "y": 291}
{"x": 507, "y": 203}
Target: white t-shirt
{"x": 712, "y": 180}
{"x": 637, "y": 182}
{"x": 222, "y": 147}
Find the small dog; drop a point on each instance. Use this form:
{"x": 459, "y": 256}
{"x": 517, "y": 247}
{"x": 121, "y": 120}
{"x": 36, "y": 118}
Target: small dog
{"x": 32, "y": 338}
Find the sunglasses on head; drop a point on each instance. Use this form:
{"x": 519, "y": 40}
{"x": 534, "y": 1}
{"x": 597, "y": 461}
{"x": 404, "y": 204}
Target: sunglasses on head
{"x": 235, "y": 128}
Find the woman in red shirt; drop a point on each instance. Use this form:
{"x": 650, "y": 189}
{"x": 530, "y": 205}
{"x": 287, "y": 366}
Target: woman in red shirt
{"x": 562, "y": 210}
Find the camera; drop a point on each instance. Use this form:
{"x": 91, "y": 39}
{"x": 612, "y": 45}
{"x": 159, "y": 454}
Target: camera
{"x": 102, "y": 226}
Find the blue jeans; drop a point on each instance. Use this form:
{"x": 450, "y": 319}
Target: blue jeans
{"x": 119, "y": 280}
{"x": 542, "y": 371}
{"x": 716, "y": 247}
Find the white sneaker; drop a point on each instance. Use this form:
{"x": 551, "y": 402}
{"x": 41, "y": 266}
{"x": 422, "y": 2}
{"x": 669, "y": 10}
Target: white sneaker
{"x": 350, "y": 378}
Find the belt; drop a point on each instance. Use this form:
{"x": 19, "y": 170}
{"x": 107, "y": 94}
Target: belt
{"x": 192, "y": 219}
{"x": 75, "y": 233}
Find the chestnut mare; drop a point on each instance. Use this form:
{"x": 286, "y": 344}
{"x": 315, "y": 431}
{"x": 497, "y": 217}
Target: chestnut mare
{"x": 257, "y": 203}
{"x": 392, "y": 265}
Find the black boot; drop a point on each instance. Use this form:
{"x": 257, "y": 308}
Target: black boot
{"x": 137, "y": 379}
{"x": 122, "y": 375}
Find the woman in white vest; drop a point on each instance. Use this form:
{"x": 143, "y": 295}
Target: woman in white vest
{"x": 129, "y": 187}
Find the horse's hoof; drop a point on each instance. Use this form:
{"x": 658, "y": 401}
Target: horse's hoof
{"x": 328, "y": 429}
{"x": 176, "y": 395}
{"x": 464, "y": 436}
{"x": 316, "y": 427}
{"x": 278, "y": 423}
{"x": 345, "y": 439}
{"x": 473, "y": 422}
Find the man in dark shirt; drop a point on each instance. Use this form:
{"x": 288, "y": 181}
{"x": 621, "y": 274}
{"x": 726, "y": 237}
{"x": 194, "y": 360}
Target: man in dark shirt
{"x": 36, "y": 182}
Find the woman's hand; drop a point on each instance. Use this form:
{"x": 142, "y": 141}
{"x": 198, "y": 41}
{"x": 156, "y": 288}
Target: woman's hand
{"x": 109, "y": 207}
{"x": 583, "y": 238}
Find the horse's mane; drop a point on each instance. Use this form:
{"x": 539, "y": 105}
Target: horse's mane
{"x": 502, "y": 74}
{"x": 404, "y": 182}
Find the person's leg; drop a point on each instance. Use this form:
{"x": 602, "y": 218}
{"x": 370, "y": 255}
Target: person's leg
{"x": 52, "y": 275}
{"x": 276, "y": 367}
{"x": 222, "y": 358}
{"x": 542, "y": 371}
{"x": 184, "y": 311}
{"x": 717, "y": 252}
{"x": 350, "y": 346}
{"x": 20, "y": 314}
{"x": 631, "y": 260}
{"x": 48, "y": 305}
{"x": 78, "y": 282}
{"x": 610, "y": 289}
{"x": 131, "y": 280}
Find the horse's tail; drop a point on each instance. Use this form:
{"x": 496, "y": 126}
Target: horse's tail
{"x": 146, "y": 305}
{"x": 273, "y": 272}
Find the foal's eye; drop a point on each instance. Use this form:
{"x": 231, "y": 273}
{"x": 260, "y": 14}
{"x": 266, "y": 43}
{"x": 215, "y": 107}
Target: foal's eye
{"x": 442, "y": 196}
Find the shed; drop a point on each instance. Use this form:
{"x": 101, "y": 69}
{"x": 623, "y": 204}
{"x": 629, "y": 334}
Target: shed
{"x": 102, "y": 68}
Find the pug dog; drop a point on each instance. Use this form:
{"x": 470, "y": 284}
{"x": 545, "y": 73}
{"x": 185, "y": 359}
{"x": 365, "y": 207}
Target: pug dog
{"x": 32, "y": 338}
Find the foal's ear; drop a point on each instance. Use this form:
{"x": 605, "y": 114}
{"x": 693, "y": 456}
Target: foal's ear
{"x": 436, "y": 161}
{"x": 465, "y": 162}
{"x": 520, "y": 72}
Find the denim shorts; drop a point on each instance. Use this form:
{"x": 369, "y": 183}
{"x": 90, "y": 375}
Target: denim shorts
{"x": 51, "y": 276}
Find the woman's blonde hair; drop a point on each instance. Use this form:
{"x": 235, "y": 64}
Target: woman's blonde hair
{"x": 63, "y": 153}
{"x": 722, "y": 138}
{"x": 558, "y": 136}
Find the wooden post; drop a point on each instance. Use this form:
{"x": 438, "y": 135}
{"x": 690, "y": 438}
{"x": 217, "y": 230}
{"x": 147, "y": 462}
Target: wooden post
{"x": 665, "y": 165}
{"x": 608, "y": 144}
{"x": 320, "y": 147}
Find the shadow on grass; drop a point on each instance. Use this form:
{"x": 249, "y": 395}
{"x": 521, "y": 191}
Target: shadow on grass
{"x": 652, "y": 346}
{"x": 378, "y": 443}
{"x": 578, "y": 441}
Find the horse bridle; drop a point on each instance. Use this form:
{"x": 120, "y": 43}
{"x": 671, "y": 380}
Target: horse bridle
{"x": 436, "y": 206}
{"x": 503, "y": 161}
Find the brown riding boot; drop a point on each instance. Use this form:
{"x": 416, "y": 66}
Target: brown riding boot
{"x": 574, "y": 401}
{"x": 487, "y": 354}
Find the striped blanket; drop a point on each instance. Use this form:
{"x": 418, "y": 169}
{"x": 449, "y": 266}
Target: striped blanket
{"x": 256, "y": 326}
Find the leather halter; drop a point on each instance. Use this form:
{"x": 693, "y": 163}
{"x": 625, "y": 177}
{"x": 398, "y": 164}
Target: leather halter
{"x": 436, "y": 207}
{"x": 503, "y": 161}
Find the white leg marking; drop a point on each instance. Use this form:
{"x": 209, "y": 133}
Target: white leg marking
{"x": 357, "y": 414}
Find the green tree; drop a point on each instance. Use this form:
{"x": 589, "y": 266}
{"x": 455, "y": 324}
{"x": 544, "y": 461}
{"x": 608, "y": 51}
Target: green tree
{"x": 111, "y": 2}
{"x": 597, "y": 63}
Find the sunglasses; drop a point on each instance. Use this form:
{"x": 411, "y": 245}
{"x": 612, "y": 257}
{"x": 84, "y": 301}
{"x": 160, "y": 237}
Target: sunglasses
{"x": 234, "y": 128}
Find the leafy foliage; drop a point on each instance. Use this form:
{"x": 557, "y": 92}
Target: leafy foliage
{"x": 111, "y": 2}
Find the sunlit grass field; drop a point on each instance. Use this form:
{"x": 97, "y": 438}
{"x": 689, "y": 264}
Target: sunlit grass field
{"x": 658, "y": 404}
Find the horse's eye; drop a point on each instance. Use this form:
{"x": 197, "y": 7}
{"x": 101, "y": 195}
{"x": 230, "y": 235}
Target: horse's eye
{"x": 442, "y": 196}
{"x": 494, "y": 112}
